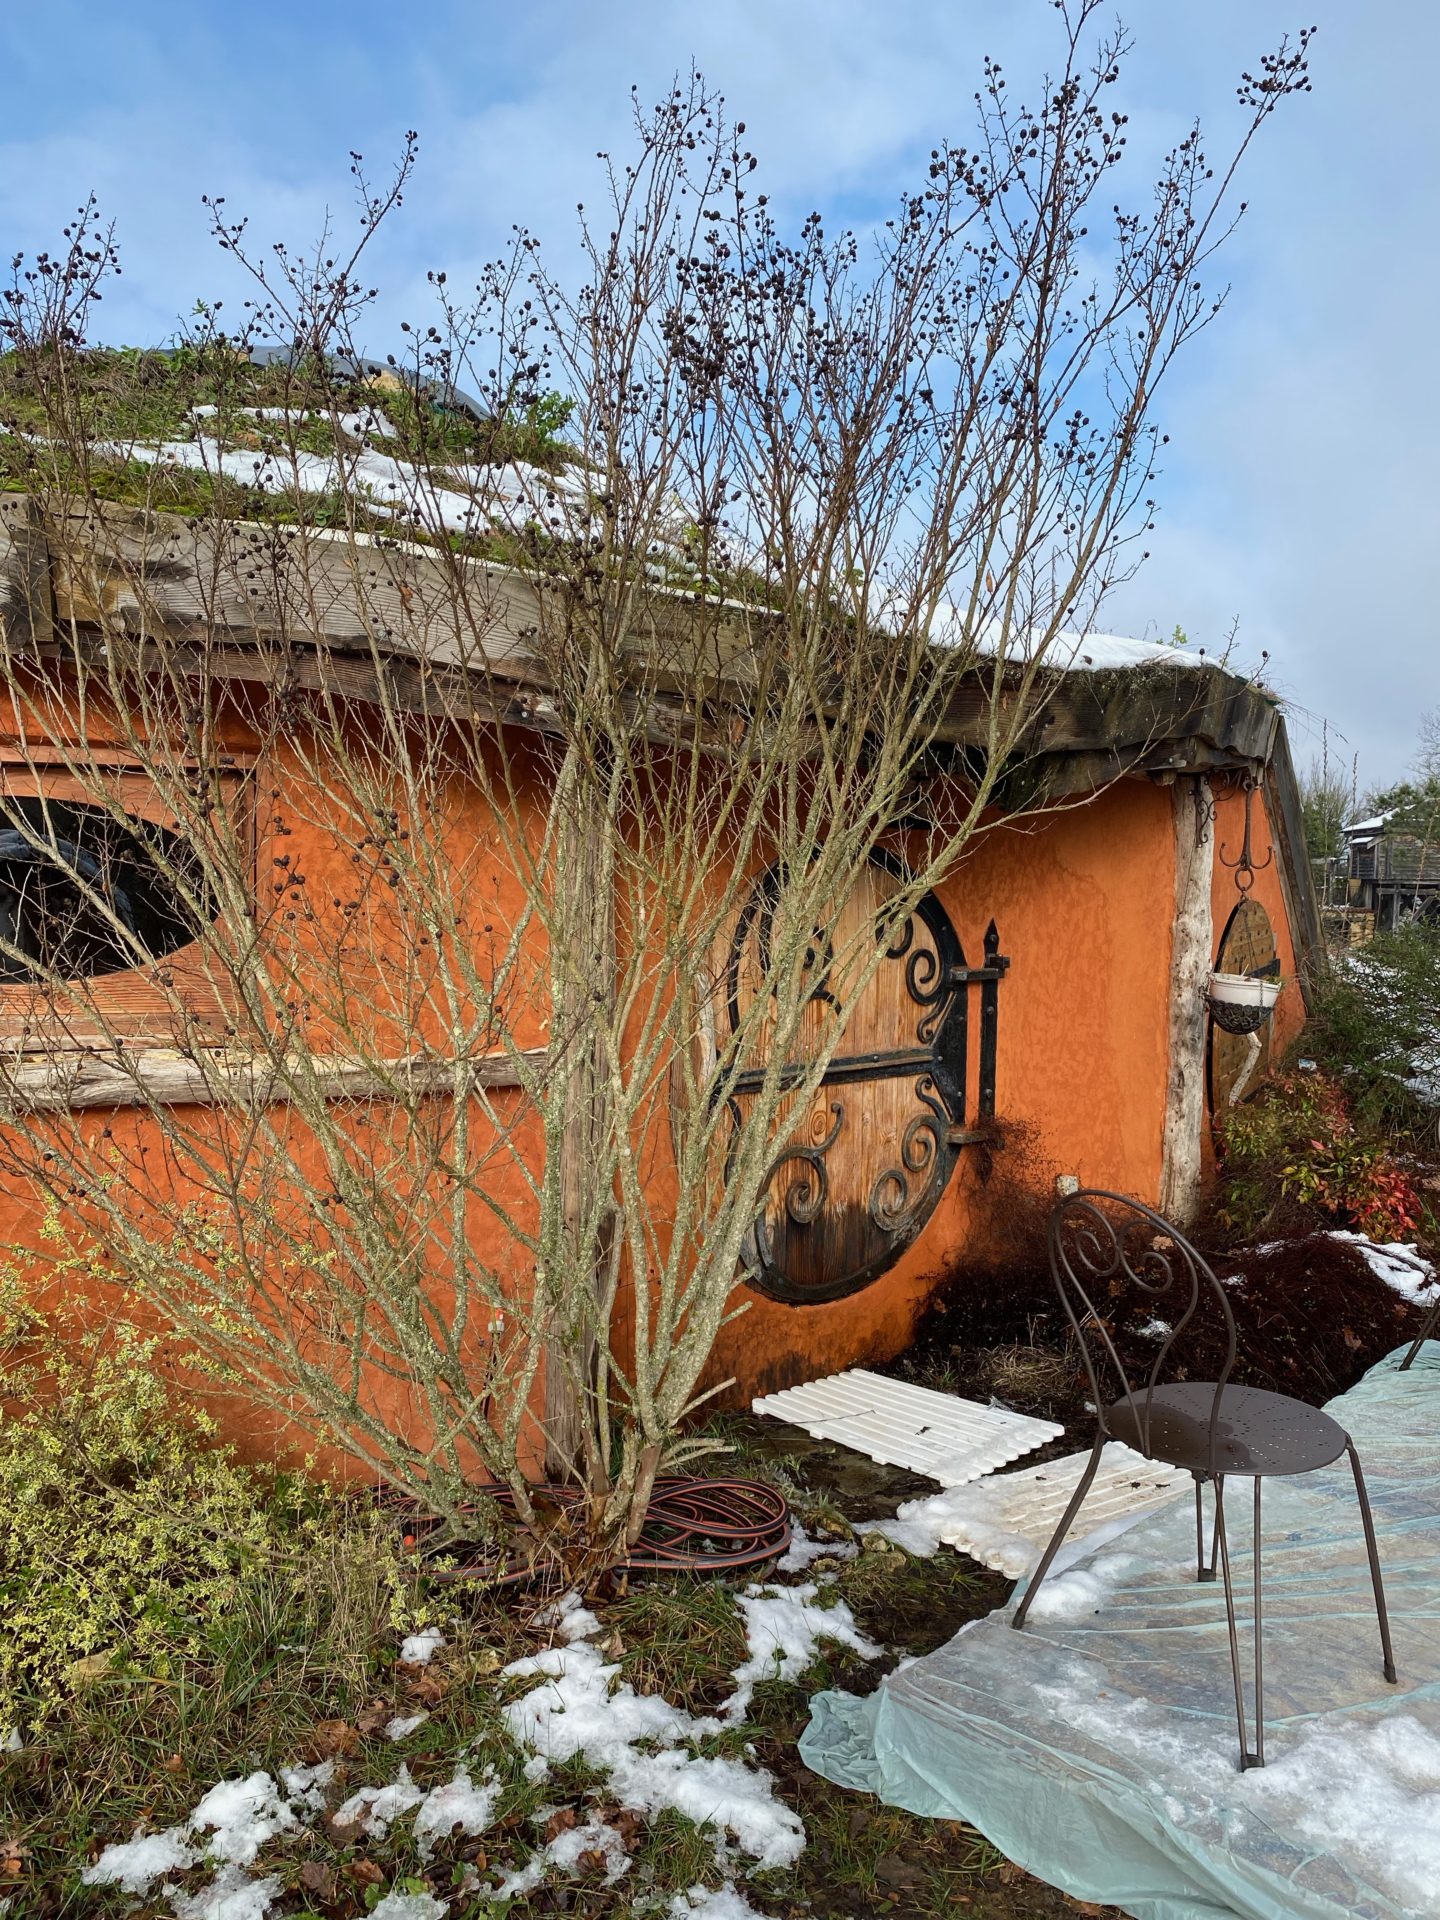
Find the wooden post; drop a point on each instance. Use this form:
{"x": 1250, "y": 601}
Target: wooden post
{"x": 589, "y": 927}
{"x": 26, "y": 601}
{"x": 1190, "y": 962}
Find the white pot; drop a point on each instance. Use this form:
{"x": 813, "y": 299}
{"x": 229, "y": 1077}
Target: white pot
{"x": 1244, "y": 990}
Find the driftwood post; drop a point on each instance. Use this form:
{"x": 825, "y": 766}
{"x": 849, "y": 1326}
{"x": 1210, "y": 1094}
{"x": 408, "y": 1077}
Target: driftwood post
{"x": 587, "y": 921}
{"x": 26, "y": 602}
{"x": 1190, "y": 961}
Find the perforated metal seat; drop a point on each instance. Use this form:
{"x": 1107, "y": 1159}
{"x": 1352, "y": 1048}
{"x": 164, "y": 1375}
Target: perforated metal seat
{"x": 1103, "y": 1245}
{"x": 1251, "y": 1431}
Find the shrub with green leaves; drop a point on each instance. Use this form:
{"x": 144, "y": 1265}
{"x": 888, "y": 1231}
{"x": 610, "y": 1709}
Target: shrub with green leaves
{"x": 123, "y": 1529}
{"x": 1295, "y": 1158}
{"x": 1376, "y": 1025}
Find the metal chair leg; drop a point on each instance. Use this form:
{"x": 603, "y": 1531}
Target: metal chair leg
{"x": 1067, "y": 1519}
{"x": 1372, "y": 1550}
{"x": 1202, "y": 1570}
{"x": 1427, "y": 1329}
{"x": 1259, "y": 1641}
{"x": 1248, "y": 1758}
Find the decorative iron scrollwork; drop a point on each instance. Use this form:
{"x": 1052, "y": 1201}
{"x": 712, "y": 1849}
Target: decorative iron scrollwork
{"x": 1245, "y": 866}
{"x": 826, "y": 1229}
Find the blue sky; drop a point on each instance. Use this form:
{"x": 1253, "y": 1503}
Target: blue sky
{"x": 1300, "y": 498}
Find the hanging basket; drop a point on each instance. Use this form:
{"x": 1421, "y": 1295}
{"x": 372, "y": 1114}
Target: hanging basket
{"x": 1241, "y": 1002}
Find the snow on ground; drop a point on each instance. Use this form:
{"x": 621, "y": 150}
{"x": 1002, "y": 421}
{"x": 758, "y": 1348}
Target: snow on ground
{"x": 408, "y": 1906}
{"x": 580, "y": 1707}
{"x": 371, "y": 1809}
{"x": 583, "y": 1710}
{"x": 133, "y": 1865}
{"x": 920, "y": 1526}
{"x": 403, "y": 1725}
{"x": 1397, "y": 1263}
{"x": 419, "y": 1649}
{"x": 231, "y": 1895}
{"x": 802, "y": 1550}
{"x": 784, "y": 1627}
{"x": 460, "y": 1803}
{"x": 228, "y": 1827}
{"x": 1367, "y": 1788}
{"x": 1083, "y": 1590}
{"x": 706, "y": 1903}
{"x": 1373, "y": 1791}
{"x": 563, "y": 1854}
{"x": 240, "y": 1816}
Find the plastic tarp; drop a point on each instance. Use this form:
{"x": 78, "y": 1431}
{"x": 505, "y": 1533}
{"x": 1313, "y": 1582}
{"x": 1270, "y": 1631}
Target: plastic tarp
{"x": 1098, "y": 1747}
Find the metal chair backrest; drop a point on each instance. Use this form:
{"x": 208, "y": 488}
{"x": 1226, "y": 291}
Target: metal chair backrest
{"x": 1104, "y": 1246}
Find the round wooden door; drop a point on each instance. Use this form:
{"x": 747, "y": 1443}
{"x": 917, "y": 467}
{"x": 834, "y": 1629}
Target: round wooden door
{"x": 1238, "y": 1062}
{"x": 881, "y": 1135}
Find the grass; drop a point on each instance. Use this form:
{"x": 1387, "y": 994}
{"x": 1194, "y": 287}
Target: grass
{"x": 129, "y": 395}
{"x": 304, "y": 1667}
{"x": 69, "y": 424}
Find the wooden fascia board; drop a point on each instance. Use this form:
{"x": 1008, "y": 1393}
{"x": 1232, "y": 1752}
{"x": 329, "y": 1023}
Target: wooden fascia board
{"x": 338, "y": 610}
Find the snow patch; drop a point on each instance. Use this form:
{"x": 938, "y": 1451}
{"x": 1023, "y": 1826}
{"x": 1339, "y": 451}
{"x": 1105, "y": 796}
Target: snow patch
{"x": 371, "y": 1809}
{"x": 306, "y": 1785}
{"x": 1399, "y": 1264}
{"x": 582, "y": 1709}
{"x": 242, "y": 1815}
{"x": 459, "y": 1803}
{"x": 563, "y": 1854}
{"x": 1083, "y": 1590}
{"x": 231, "y": 1895}
{"x": 802, "y": 1550}
{"x": 408, "y": 1906}
{"x": 712, "y": 1903}
{"x": 784, "y": 1628}
{"x": 571, "y": 1619}
{"x": 133, "y": 1865}
{"x": 419, "y": 1649}
{"x": 1375, "y": 1791}
{"x": 403, "y": 1725}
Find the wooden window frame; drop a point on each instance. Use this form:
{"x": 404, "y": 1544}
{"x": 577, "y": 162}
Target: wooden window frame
{"x": 127, "y": 1005}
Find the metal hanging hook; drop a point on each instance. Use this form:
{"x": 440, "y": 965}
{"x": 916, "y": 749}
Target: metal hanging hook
{"x": 1245, "y": 867}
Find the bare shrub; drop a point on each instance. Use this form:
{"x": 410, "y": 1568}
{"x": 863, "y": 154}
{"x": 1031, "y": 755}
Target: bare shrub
{"x": 461, "y": 1139}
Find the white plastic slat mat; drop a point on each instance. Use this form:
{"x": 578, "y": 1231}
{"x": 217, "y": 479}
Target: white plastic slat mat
{"x": 1006, "y": 1522}
{"x": 950, "y": 1440}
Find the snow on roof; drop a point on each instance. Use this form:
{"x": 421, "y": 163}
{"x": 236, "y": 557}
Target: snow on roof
{"x": 1376, "y": 825}
{"x": 1069, "y": 652}
{"x": 506, "y": 495}
{"x": 1097, "y": 652}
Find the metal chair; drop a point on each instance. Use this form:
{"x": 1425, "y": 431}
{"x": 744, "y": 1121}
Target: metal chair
{"x": 1103, "y": 1245}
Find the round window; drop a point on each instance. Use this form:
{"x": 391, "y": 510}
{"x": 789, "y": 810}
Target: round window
{"x": 84, "y": 893}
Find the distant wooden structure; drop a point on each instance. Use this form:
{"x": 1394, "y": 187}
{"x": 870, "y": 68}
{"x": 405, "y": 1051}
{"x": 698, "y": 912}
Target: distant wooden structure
{"x": 1393, "y": 875}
